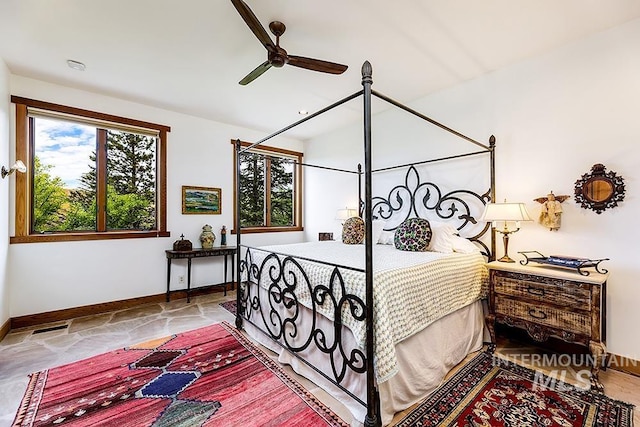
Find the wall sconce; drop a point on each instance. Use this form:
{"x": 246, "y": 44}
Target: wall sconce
{"x": 346, "y": 213}
{"x": 506, "y": 213}
{"x": 17, "y": 166}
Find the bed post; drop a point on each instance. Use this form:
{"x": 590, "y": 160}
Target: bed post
{"x": 492, "y": 149}
{"x": 360, "y": 201}
{"x": 236, "y": 224}
{"x": 371, "y": 419}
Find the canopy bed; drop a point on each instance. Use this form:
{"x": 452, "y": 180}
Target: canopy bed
{"x": 375, "y": 326}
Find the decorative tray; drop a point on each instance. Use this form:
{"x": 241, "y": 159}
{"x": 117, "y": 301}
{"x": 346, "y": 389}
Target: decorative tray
{"x": 564, "y": 261}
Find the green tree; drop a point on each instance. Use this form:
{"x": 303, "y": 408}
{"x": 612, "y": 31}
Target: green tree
{"x": 252, "y": 190}
{"x": 281, "y": 192}
{"x": 131, "y": 179}
{"x": 130, "y": 185}
{"x": 49, "y": 199}
{"x": 127, "y": 211}
{"x": 131, "y": 164}
{"x": 82, "y": 211}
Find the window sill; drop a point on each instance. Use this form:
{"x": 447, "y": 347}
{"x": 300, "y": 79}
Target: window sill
{"x": 73, "y": 237}
{"x": 268, "y": 230}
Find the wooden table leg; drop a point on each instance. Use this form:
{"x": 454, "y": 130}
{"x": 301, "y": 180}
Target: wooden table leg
{"x": 598, "y": 353}
{"x": 490, "y": 321}
{"x": 168, "y": 277}
{"x": 225, "y": 275}
{"x": 189, "y": 280}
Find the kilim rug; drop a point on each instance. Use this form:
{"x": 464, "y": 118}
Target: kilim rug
{"x": 211, "y": 376}
{"x": 490, "y": 391}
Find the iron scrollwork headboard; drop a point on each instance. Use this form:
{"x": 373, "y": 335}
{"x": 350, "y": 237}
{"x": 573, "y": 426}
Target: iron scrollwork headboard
{"x": 460, "y": 208}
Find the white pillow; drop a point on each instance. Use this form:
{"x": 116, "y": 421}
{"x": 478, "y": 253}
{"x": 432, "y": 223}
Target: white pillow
{"x": 378, "y": 229}
{"x": 386, "y": 238}
{"x": 462, "y": 245}
{"x": 442, "y": 237}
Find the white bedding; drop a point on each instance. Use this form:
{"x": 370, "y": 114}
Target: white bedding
{"x": 411, "y": 289}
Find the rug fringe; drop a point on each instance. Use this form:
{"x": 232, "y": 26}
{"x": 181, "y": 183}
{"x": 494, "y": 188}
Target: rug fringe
{"x": 23, "y": 409}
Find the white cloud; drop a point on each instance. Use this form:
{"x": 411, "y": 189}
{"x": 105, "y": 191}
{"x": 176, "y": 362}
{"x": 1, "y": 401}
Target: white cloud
{"x": 65, "y": 146}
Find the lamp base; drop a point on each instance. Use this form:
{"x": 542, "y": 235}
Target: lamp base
{"x": 505, "y": 259}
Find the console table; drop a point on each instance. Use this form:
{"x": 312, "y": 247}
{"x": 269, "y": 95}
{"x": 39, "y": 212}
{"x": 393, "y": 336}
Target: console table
{"x": 201, "y": 253}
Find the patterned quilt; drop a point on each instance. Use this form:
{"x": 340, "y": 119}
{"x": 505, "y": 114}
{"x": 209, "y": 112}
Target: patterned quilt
{"x": 411, "y": 289}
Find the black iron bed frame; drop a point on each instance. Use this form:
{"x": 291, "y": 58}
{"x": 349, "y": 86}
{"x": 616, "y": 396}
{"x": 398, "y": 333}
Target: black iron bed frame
{"x": 277, "y": 268}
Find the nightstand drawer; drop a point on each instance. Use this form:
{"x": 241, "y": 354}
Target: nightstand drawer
{"x": 543, "y": 314}
{"x": 570, "y": 295}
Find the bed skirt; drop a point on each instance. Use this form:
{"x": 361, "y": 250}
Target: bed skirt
{"x": 424, "y": 360}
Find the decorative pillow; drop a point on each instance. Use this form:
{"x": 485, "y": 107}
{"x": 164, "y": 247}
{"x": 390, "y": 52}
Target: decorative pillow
{"x": 353, "y": 231}
{"x": 413, "y": 235}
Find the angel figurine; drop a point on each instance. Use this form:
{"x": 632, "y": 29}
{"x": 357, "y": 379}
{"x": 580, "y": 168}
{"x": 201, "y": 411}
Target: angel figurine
{"x": 551, "y": 210}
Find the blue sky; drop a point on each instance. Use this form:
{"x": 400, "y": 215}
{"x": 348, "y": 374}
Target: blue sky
{"x": 66, "y": 146}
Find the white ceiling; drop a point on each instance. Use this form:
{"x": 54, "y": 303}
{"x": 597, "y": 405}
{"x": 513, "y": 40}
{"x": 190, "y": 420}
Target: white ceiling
{"x": 188, "y": 56}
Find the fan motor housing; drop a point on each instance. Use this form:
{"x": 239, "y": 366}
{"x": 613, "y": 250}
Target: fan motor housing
{"x": 279, "y": 58}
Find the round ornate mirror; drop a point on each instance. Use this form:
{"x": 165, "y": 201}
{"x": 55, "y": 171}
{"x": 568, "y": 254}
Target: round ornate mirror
{"x": 599, "y": 189}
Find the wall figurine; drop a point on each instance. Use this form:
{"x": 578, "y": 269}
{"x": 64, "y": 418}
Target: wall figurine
{"x": 223, "y": 236}
{"x": 551, "y": 211}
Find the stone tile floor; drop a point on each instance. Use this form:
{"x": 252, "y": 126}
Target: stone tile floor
{"x": 23, "y": 351}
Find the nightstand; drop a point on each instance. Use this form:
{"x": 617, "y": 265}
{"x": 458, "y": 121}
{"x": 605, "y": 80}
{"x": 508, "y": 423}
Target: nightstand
{"x": 547, "y": 302}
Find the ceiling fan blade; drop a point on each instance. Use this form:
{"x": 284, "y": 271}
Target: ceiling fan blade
{"x": 254, "y": 24}
{"x": 260, "y": 69}
{"x": 317, "y": 65}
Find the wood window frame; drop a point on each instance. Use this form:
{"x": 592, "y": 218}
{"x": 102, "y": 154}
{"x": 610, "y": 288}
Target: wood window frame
{"x": 297, "y": 188}
{"x": 24, "y": 182}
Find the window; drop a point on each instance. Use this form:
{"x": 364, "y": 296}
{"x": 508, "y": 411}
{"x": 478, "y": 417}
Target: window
{"x": 270, "y": 189}
{"x": 90, "y": 175}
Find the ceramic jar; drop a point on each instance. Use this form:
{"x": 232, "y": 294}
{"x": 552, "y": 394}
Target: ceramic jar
{"x": 207, "y": 237}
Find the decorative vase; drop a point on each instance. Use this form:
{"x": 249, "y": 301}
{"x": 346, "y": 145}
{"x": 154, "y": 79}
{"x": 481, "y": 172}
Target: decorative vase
{"x": 207, "y": 237}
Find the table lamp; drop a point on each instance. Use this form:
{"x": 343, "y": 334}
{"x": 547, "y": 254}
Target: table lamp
{"x": 506, "y": 213}
{"x": 344, "y": 214}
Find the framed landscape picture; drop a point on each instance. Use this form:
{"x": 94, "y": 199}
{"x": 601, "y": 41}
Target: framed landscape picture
{"x": 201, "y": 200}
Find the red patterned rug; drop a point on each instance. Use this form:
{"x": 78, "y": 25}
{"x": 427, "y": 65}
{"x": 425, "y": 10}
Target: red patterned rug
{"x": 489, "y": 391}
{"x": 211, "y": 376}
{"x": 230, "y": 306}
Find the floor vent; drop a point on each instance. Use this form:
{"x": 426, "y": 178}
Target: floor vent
{"x": 53, "y": 328}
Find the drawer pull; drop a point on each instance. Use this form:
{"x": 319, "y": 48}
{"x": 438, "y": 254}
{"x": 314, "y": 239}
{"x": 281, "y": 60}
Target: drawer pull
{"x": 534, "y": 313}
{"x": 535, "y": 291}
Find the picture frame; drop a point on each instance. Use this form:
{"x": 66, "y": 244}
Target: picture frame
{"x": 201, "y": 200}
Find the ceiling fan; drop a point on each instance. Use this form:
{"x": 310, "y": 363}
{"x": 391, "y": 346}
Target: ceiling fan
{"x": 277, "y": 56}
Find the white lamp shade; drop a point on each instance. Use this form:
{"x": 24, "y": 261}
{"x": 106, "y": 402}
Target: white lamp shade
{"x": 345, "y": 213}
{"x": 505, "y": 212}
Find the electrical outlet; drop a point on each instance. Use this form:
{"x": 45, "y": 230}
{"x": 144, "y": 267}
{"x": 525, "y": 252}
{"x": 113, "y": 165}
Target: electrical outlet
{"x": 180, "y": 279}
